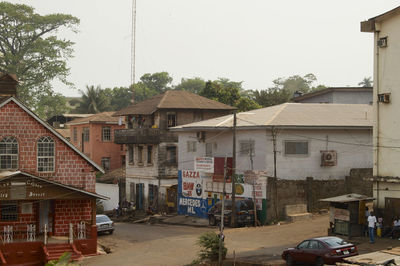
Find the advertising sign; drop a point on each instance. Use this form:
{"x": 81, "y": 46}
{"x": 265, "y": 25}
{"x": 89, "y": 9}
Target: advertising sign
{"x": 204, "y": 164}
{"x": 192, "y": 199}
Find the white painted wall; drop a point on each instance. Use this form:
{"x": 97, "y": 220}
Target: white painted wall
{"x": 354, "y": 150}
{"x": 111, "y": 191}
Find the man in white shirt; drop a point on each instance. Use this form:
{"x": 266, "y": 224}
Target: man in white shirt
{"x": 371, "y": 227}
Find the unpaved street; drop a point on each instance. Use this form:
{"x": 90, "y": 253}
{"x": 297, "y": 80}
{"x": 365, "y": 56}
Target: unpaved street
{"x": 139, "y": 244}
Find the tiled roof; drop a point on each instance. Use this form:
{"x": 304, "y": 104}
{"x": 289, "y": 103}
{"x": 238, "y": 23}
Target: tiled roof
{"x": 293, "y": 115}
{"x": 173, "y": 99}
{"x": 105, "y": 117}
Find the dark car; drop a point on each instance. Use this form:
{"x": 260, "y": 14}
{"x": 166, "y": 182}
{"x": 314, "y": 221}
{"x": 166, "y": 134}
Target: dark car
{"x": 244, "y": 212}
{"x": 320, "y": 251}
{"x": 104, "y": 224}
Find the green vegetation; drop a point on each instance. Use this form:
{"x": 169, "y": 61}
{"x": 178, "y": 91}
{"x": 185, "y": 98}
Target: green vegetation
{"x": 209, "y": 248}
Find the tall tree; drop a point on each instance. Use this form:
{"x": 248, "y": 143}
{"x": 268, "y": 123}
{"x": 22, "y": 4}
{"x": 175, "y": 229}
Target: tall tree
{"x": 30, "y": 48}
{"x": 51, "y": 104}
{"x": 194, "y": 85}
{"x": 366, "y": 82}
{"x": 94, "y": 100}
{"x": 158, "y": 81}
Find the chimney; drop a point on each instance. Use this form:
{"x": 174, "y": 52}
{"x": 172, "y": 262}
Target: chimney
{"x": 8, "y": 85}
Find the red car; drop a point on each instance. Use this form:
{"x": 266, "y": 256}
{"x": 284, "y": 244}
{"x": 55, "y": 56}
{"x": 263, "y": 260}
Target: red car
{"x": 320, "y": 251}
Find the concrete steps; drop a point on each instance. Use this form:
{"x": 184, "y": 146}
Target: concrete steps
{"x": 297, "y": 212}
{"x": 55, "y": 251}
{"x": 299, "y": 217}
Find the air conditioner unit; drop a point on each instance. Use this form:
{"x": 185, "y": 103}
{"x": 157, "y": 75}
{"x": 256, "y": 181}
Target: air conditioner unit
{"x": 384, "y": 97}
{"x": 201, "y": 136}
{"x": 328, "y": 158}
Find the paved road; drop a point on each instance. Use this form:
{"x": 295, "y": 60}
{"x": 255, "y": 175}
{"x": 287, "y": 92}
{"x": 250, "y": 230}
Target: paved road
{"x": 142, "y": 244}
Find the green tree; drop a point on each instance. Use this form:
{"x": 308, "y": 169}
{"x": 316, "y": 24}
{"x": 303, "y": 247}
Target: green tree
{"x": 51, "y": 104}
{"x": 194, "y": 85}
{"x": 158, "y": 81}
{"x": 121, "y": 98}
{"x": 95, "y": 100}
{"x": 30, "y": 48}
{"x": 284, "y": 88}
{"x": 366, "y": 82}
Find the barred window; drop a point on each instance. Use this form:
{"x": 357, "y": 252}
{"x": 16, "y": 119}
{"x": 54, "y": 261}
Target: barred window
{"x": 105, "y": 163}
{"x": 106, "y": 134}
{"x": 130, "y": 154}
{"x": 45, "y": 154}
{"x": 86, "y": 134}
{"x": 75, "y": 134}
{"x": 247, "y": 147}
{"x": 9, "y": 211}
{"x": 8, "y": 153}
{"x": 149, "y": 154}
{"x": 296, "y": 147}
{"x": 191, "y": 146}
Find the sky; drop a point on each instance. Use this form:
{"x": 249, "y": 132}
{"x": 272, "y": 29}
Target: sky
{"x": 254, "y": 41}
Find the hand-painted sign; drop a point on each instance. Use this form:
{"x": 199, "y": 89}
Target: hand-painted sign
{"x": 192, "y": 184}
{"x": 204, "y": 164}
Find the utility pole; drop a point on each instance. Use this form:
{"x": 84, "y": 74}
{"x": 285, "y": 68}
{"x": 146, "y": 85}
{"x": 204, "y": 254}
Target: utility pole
{"x": 275, "y": 188}
{"x": 221, "y": 229}
{"x": 133, "y": 50}
{"x": 254, "y": 184}
{"x": 233, "y": 214}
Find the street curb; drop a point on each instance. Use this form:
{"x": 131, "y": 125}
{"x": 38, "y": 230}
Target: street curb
{"x": 192, "y": 225}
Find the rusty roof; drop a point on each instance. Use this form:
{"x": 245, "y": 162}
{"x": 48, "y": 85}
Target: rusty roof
{"x": 327, "y": 90}
{"x": 12, "y": 76}
{"x": 113, "y": 176}
{"x": 105, "y": 117}
{"x": 173, "y": 99}
{"x": 65, "y": 132}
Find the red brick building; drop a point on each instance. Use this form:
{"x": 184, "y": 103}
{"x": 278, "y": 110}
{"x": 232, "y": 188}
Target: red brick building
{"x": 47, "y": 188}
{"x": 94, "y": 136}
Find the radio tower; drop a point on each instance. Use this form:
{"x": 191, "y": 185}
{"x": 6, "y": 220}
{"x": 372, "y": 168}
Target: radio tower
{"x": 133, "y": 50}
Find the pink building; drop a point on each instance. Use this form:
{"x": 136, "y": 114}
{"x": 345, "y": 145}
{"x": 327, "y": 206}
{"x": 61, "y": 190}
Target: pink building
{"x": 94, "y": 136}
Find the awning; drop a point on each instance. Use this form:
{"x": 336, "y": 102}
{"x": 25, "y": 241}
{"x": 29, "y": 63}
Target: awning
{"x": 18, "y": 185}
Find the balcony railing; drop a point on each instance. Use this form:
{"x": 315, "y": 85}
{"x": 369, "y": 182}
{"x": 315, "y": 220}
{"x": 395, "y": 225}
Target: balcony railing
{"x": 144, "y": 136}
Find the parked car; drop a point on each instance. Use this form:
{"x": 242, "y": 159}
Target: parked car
{"x": 104, "y": 224}
{"x": 244, "y": 212}
{"x": 320, "y": 251}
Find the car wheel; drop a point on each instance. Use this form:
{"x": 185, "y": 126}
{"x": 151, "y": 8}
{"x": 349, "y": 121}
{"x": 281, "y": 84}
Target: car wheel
{"x": 111, "y": 232}
{"x": 289, "y": 260}
{"x": 212, "y": 221}
{"x": 319, "y": 262}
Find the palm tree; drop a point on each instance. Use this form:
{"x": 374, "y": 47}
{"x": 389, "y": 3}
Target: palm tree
{"x": 94, "y": 100}
{"x": 366, "y": 82}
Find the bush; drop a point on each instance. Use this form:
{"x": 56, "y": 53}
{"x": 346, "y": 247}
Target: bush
{"x": 209, "y": 244}
{"x": 99, "y": 207}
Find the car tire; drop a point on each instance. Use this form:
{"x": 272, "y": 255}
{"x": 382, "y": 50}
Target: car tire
{"x": 289, "y": 260}
{"x": 212, "y": 221}
{"x": 319, "y": 262}
{"x": 111, "y": 232}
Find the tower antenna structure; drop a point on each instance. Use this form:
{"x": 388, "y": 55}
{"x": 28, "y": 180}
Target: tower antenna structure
{"x": 133, "y": 50}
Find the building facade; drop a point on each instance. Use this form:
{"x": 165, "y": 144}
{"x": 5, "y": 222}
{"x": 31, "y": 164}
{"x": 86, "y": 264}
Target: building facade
{"x": 47, "y": 188}
{"x": 386, "y": 109}
{"x": 152, "y": 152}
{"x": 94, "y": 136}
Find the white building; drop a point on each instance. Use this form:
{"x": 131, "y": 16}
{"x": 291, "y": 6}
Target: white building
{"x": 386, "y": 110}
{"x": 323, "y": 141}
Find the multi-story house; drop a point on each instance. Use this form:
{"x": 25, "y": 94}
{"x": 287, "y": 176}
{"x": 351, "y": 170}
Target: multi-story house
{"x": 151, "y": 168}
{"x": 385, "y": 28}
{"x": 47, "y": 187}
{"x": 94, "y": 136}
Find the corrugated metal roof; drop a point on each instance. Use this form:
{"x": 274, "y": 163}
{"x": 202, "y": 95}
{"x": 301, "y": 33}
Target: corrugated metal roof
{"x": 294, "y": 115}
{"x": 327, "y": 90}
{"x": 100, "y": 117}
{"x": 348, "y": 198}
{"x": 173, "y": 99}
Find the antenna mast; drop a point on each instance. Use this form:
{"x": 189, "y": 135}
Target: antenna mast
{"x": 133, "y": 50}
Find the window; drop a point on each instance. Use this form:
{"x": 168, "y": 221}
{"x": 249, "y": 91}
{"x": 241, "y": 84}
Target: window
{"x": 8, "y": 153}
{"x": 171, "y": 154}
{"x": 132, "y": 192}
{"x": 209, "y": 148}
{"x": 75, "y": 134}
{"x": 313, "y": 245}
{"x": 86, "y": 134}
{"x": 149, "y": 154}
{"x": 130, "y": 154}
{"x": 296, "y": 147}
{"x": 247, "y": 147}
{"x": 140, "y": 154}
{"x": 45, "y": 154}
{"x": 9, "y": 211}
{"x": 303, "y": 245}
{"x": 171, "y": 118}
{"x": 197, "y": 116}
{"x": 106, "y": 134}
{"x": 191, "y": 146}
{"x": 105, "y": 163}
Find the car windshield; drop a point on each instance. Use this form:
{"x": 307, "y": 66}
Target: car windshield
{"x": 334, "y": 241}
{"x": 102, "y": 219}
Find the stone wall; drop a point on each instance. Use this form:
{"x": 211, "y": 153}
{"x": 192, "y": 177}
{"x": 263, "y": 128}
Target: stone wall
{"x": 310, "y": 191}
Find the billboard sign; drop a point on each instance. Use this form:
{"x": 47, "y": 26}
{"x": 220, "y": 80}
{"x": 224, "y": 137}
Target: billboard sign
{"x": 204, "y": 164}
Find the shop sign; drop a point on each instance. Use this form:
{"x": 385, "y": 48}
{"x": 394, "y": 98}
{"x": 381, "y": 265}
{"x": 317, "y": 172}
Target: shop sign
{"x": 204, "y": 164}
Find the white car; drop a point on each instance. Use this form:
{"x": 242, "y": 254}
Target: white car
{"x": 104, "y": 224}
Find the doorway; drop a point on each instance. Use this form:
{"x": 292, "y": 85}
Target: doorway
{"x": 46, "y": 211}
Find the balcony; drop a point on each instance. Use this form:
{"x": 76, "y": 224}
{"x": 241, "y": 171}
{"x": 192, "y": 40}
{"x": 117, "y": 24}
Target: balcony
{"x": 143, "y": 136}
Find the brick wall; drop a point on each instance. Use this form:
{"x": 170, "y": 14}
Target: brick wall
{"x": 70, "y": 211}
{"x": 70, "y": 167}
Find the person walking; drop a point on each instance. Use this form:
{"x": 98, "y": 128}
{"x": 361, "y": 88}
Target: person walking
{"x": 371, "y": 227}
